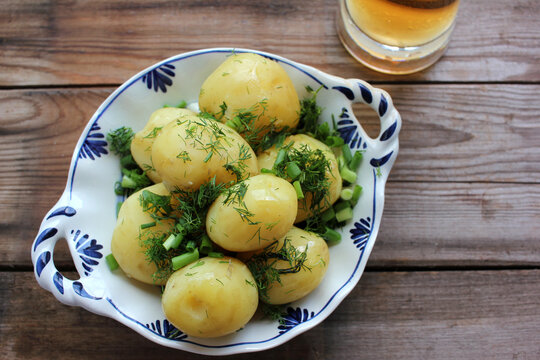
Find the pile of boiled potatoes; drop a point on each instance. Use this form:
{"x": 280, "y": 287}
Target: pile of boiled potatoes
{"x": 218, "y": 297}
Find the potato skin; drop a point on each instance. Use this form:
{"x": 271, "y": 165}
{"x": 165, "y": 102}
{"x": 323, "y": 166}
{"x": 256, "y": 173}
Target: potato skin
{"x": 126, "y": 245}
{"x": 271, "y": 200}
{"x": 190, "y": 151}
{"x": 297, "y": 285}
{"x": 267, "y": 158}
{"x": 245, "y": 80}
{"x": 211, "y": 297}
{"x": 141, "y": 145}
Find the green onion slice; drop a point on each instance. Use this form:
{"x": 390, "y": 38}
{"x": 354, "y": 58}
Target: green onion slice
{"x": 180, "y": 261}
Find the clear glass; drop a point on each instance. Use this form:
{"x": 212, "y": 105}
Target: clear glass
{"x": 396, "y": 36}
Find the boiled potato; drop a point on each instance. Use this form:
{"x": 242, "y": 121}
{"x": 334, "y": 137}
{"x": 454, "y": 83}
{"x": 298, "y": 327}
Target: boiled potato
{"x": 295, "y": 286}
{"x": 255, "y": 83}
{"x": 268, "y": 157}
{"x": 252, "y": 214}
{"x": 141, "y": 145}
{"x": 127, "y": 239}
{"x": 211, "y": 297}
{"x": 190, "y": 151}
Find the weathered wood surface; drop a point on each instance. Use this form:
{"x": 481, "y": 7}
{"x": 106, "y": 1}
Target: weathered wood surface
{"x": 429, "y": 220}
{"x": 464, "y": 193}
{"x": 106, "y": 42}
{"x": 389, "y": 315}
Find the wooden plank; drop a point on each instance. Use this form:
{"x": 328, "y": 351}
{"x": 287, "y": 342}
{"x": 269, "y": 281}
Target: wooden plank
{"x": 429, "y": 220}
{"x": 465, "y": 132}
{"x": 395, "y": 315}
{"x": 424, "y": 224}
{"x": 38, "y": 130}
{"x": 459, "y": 224}
{"x": 106, "y": 42}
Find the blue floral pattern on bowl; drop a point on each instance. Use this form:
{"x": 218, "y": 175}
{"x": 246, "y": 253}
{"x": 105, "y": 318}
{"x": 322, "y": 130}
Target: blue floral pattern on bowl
{"x": 166, "y": 329}
{"x": 88, "y": 249}
{"x": 159, "y": 78}
{"x": 293, "y": 318}
{"x": 361, "y": 232}
{"x": 94, "y": 146}
{"x": 348, "y": 130}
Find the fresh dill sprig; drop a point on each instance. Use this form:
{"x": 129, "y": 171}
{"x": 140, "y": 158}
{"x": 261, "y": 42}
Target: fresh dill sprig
{"x": 263, "y": 265}
{"x": 238, "y": 166}
{"x": 155, "y": 253}
{"x": 133, "y": 177}
{"x": 120, "y": 141}
{"x": 189, "y": 227}
{"x": 309, "y": 113}
{"x": 274, "y": 312}
{"x": 157, "y": 206}
{"x": 313, "y": 166}
{"x": 152, "y": 134}
{"x": 234, "y": 197}
{"x": 244, "y": 122}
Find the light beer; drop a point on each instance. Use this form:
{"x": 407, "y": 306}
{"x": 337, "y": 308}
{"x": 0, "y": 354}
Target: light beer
{"x": 403, "y": 23}
{"x": 396, "y": 36}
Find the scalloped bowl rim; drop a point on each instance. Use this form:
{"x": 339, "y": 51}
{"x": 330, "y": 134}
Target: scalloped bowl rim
{"x": 351, "y": 90}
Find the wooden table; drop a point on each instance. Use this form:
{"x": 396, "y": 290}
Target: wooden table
{"x": 455, "y": 270}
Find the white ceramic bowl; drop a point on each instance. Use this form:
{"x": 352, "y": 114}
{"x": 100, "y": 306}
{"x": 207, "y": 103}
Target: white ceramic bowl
{"x": 85, "y": 213}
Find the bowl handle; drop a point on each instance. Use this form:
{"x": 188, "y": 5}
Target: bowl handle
{"x": 53, "y": 229}
{"x": 386, "y": 142}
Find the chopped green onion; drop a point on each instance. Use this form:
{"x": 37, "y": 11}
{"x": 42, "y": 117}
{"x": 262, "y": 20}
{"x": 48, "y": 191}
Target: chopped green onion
{"x": 357, "y": 191}
{"x": 148, "y": 225}
{"x": 234, "y": 124}
{"x": 341, "y": 205}
{"x": 331, "y": 236}
{"x": 182, "y": 104}
{"x": 344, "y": 214}
{"x": 267, "y": 171}
{"x": 215, "y": 254}
{"x": 191, "y": 246}
{"x": 346, "y": 151}
{"x": 346, "y": 194}
{"x": 184, "y": 259}
{"x": 111, "y": 262}
{"x": 206, "y": 245}
{"x": 127, "y": 160}
{"x": 348, "y": 175}
{"x": 323, "y": 131}
{"x": 173, "y": 241}
{"x": 293, "y": 170}
{"x": 118, "y": 206}
{"x": 356, "y": 160}
{"x": 334, "y": 141}
{"x": 341, "y": 161}
{"x": 168, "y": 243}
{"x": 128, "y": 183}
{"x": 118, "y": 189}
{"x": 281, "y": 155}
{"x": 298, "y": 189}
{"x": 328, "y": 215}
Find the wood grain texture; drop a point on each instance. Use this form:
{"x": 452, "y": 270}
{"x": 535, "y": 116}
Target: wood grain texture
{"x": 429, "y": 219}
{"x": 106, "y": 42}
{"x": 459, "y": 224}
{"x": 416, "y": 315}
{"x": 465, "y": 132}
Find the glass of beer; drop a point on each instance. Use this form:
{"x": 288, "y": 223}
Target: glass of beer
{"x": 396, "y": 36}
